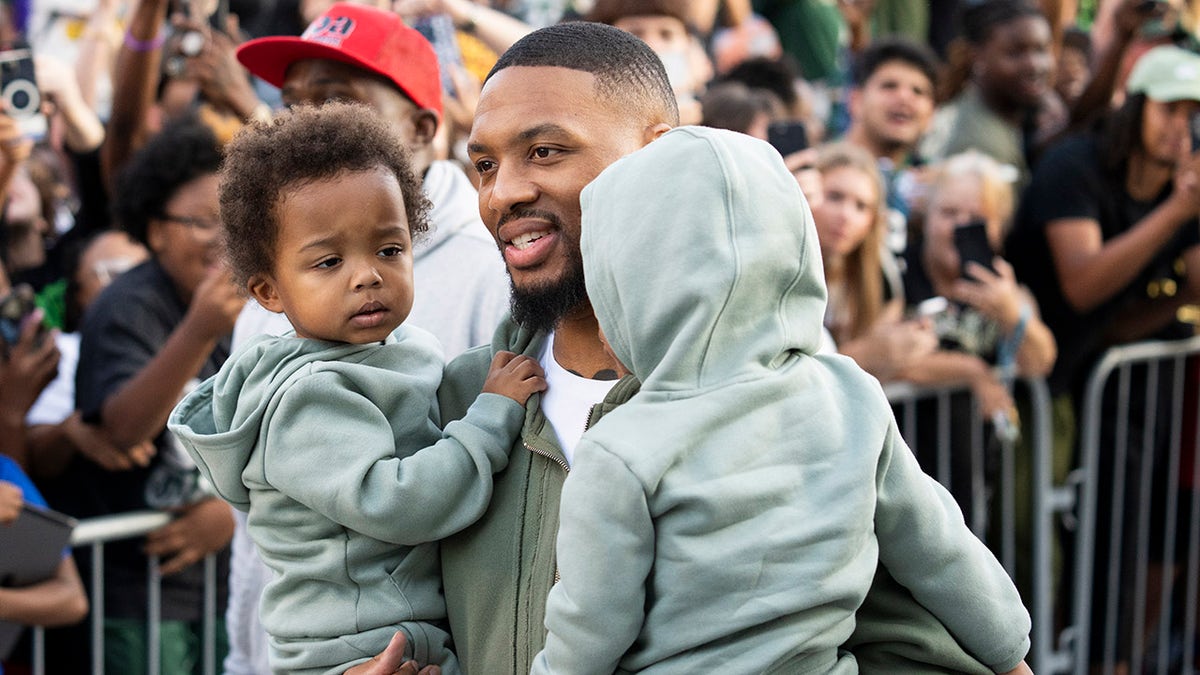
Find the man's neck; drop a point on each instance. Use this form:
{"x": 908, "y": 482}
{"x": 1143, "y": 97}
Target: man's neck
{"x": 577, "y": 346}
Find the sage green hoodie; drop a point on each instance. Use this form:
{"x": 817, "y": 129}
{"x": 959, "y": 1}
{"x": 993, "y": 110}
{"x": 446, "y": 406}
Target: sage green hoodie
{"x": 731, "y": 515}
{"x": 334, "y": 451}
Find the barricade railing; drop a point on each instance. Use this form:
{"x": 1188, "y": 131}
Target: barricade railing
{"x": 1136, "y": 519}
{"x": 94, "y": 533}
{"x": 982, "y": 477}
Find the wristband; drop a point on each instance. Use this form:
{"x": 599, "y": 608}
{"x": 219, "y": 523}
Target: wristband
{"x": 142, "y": 46}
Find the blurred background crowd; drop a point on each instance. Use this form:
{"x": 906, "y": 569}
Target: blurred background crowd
{"x": 1001, "y": 188}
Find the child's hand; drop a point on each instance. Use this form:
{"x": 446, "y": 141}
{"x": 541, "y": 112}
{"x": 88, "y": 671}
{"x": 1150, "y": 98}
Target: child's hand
{"x": 10, "y": 502}
{"x": 514, "y": 376}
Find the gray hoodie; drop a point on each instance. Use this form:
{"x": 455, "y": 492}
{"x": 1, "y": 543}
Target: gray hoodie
{"x": 731, "y": 515}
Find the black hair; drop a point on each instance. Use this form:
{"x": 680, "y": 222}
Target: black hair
{"x": 611, "y": 11}
{"x": 303, "y": 145}
{"x": 978, "y": 21}
{"x": 734, "y": 106}
{"x": 183, "y": 151}
{"x": 627, "y": 71}
{"x": 887, "y": 51}
{"x": 1120, "y": 133}
{"x": 775, "y": 75}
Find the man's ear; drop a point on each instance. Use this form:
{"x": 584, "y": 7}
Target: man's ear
{"x": 652, "y": 133}
{"x": 425, "y": 126}
{"x": 262, "y": 289}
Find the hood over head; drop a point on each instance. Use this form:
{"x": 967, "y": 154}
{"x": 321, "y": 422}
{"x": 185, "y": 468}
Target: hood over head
{"x": 701, "y": 260}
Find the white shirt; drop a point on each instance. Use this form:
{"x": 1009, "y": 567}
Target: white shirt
{"x": 568, "y": 399}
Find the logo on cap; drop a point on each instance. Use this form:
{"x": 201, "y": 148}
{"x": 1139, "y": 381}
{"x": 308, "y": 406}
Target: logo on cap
{"x": 329, "y": 30}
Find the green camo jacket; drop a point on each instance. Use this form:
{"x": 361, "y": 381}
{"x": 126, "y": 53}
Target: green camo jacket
{"x": 498, "y": 572}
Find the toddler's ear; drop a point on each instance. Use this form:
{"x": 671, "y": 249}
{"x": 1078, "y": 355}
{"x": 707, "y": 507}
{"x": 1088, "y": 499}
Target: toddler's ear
{"x": 262, "y": 289}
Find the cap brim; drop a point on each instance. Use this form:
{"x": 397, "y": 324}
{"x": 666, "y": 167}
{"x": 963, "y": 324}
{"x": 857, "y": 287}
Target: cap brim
{"x": 268, "y": 58}
{"x": 1169, "y": 92}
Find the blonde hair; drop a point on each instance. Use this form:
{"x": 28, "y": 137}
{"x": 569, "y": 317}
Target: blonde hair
{"x": 996, "y": 182}
{"x": 863, "y": 269}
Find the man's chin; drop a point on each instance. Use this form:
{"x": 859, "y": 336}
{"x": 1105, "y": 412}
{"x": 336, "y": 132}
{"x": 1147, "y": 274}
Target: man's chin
{"x": 540, "y": 308}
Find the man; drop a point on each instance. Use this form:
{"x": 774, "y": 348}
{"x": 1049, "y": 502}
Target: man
{"x": 560, "y": 106}
{"x": 891, "y": 106}
{"x": 357, "y": 53}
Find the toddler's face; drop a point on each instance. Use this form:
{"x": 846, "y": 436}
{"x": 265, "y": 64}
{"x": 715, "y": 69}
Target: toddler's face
{"x": 343, "y": 262}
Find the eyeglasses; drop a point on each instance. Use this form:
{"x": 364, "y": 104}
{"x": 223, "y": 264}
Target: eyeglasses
{"x": 200, "y": 226}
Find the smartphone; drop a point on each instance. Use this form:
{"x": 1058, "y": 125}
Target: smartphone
{"x": 19, "y": 90}
{"x": 787, "y": 137}
{"x": 14, "y": 309}
{"x": 439, "y": 30}
{"x": 972, "y": 243}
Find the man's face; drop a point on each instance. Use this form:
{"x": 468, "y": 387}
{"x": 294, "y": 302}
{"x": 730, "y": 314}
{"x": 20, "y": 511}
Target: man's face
{"x": 315, "y": 81}
{"x": 1016, "y": 62}
{"x": 540, "y": 135}
{"x": 894, "y": 105}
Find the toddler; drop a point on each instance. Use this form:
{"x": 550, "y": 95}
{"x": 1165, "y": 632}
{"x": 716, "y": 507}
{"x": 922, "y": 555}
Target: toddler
{"x": 329, "y": 438}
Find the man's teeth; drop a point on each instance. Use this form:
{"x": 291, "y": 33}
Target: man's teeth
{"x": 523, "y": 241}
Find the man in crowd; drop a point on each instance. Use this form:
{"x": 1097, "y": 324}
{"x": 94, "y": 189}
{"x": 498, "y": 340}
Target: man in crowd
{"x": 560, "y": 106}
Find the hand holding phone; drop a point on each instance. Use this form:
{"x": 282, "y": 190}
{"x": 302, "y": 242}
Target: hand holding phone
{"x": 15, "y": 310}
{"x": 971, "y": 241}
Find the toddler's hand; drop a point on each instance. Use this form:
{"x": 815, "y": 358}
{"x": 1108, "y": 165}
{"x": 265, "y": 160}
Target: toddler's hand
{"x": 514, "y": 376}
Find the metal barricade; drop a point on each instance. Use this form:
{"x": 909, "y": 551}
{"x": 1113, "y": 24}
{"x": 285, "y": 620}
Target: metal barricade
{"x": 1137, "y": 523}
{"x": 983, "y": 481}
{"x": 94, "y": 533}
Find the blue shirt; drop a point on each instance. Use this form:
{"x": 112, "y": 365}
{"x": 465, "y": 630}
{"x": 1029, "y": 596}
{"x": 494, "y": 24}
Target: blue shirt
{"x": 10, "y": 471}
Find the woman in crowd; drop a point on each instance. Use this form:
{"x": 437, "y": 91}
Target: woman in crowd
{"x": 850, "y": 218}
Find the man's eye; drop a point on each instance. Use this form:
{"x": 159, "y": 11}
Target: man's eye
{"x": 543, "y": 152}
{"x": 484, "y": 165}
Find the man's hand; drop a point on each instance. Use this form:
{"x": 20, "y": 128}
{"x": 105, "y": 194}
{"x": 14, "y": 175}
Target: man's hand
{"x": 91, "y": 442}
{"x": 10, "y": 503}
{"x": 204, "y": 527}
{"x": 215, "y": 304}
{"x": 391, "y": 662}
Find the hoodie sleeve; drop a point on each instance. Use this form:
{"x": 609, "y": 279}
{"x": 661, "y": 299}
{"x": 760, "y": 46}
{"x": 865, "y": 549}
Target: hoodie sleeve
{"x": 926, "y": 545}
{"x": 332, "y": 449}
{"x": 605, "y": 551}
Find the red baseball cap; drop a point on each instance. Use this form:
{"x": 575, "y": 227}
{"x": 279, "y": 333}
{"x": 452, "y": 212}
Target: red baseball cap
{"x": 372, "y": 39}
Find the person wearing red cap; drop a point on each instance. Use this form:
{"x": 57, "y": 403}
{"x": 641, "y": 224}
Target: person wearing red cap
{"x": 353, "y": 52}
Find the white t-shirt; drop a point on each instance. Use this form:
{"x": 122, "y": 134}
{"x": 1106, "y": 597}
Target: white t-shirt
{"x": 568, "y": 399}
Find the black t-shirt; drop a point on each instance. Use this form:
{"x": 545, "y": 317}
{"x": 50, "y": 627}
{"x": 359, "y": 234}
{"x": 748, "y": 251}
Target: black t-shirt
{"x": 123, "y": 330}
{"x": 1069, "y": 182}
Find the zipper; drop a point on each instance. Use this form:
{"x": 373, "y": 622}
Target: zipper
{"x": 586, "y": 425}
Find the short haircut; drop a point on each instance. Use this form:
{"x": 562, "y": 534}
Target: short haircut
{"x": 296, "y": 148}
{"x": 734, "y": 106}
{"x": 611, "y": 11}
{"x": 183, "y": 151}
{"x": 909, "y": 53}
{"x": 628, "y": 73}
{"x": 777, "y": 75}
{"x": 980, "y": 19}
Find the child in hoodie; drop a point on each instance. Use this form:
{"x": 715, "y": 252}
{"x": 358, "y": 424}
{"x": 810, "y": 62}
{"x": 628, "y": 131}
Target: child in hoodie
{"x": 329, "y": 438}
{"x": 732, "y": 514}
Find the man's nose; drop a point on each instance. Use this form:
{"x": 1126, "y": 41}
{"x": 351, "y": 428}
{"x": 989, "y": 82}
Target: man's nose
{"x": 510, "y": 188}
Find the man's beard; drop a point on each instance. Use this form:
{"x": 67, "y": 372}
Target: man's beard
{"x": 541, "y": 308}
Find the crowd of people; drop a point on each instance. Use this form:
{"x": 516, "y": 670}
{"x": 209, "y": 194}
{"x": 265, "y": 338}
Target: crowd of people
{"x": 958, "y": 193}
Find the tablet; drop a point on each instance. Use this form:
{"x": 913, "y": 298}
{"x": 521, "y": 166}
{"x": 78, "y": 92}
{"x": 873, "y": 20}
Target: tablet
{"x": 31, "y": 549}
